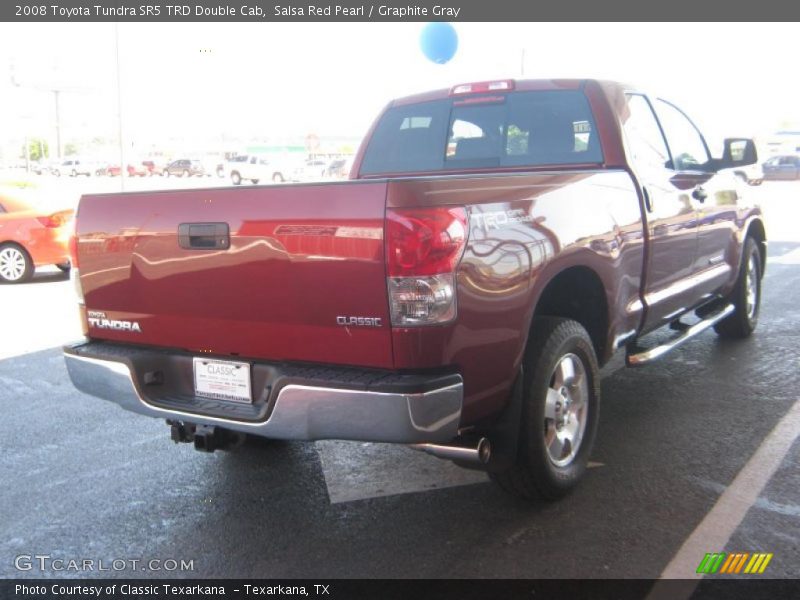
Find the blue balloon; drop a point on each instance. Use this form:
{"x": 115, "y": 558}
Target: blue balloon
{"x": 439, "y": 42}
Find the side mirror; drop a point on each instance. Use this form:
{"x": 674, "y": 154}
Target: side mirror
{"x": 738, "y": 152}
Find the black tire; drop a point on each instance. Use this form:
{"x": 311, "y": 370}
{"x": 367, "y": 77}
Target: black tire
{"x": 64, "y": 267}
{"x": 236, "y": 179}
{"x": 554, "y": 342}
{"x": 16, "y": 265}
{"x": 277, "y": 178}
{"x": 745, "y": 296}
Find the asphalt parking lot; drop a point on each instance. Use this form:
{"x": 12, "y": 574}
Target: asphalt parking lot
{"x": 85, "y": 480}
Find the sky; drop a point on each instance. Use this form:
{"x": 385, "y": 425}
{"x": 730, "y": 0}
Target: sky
{"x": 190, "y": 83}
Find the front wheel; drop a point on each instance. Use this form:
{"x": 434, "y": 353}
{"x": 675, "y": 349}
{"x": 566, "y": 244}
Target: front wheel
{"x": 236, "y": 179}
{"x": 561, "y": 398}
{"x": 16, "y": 265}
{"x": 746, "y": 296}
{"x": 277, "y": 178}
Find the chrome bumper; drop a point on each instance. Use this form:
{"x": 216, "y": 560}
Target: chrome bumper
{"x": 300, "y": 412}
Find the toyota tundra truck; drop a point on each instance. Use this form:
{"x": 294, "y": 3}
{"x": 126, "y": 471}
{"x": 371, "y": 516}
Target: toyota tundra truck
{"x": 496, "y": 244}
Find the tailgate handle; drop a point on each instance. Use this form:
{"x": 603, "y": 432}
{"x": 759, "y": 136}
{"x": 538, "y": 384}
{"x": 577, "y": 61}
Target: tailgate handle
{"x": 204, "y": 236}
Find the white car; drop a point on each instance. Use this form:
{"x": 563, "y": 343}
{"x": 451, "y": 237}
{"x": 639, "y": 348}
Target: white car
{"x": 256, "y": 168}
{"x": 74, "y": 167}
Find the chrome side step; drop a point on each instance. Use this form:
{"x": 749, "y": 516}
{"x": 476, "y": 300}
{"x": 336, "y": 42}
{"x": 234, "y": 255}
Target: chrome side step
{"x": 637, "y": 357}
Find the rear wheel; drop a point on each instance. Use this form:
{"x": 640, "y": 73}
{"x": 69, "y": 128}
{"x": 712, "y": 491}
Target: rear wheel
{"x": 746, "y": 296}
{"x": 16, "y": 265}
{"x": 277, "y": 178}
{"x": 561, "y": 398}
{"x": 236, "y": 179}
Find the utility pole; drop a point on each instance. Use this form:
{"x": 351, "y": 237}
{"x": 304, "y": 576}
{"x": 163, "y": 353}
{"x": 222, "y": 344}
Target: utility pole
{"x": 56, "y": 91}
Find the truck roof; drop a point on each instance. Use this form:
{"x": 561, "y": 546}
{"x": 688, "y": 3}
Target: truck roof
{"x": 518, "y": 85}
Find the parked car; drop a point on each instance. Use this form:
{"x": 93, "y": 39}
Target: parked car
{"x": 73, "y": 167}
{"x": 107, "y": 170}
{"x": 184, "y": 168}
{"x": 313, "y": 169}
{"x": 255, "y": 168}
{"x": 339, "y": 168}
{"x": 42, "y": 167}
{"x": 31, "y": 238}
{"x": 138, "y": 169}
{"x": 751, "y": 174}
{"x": 782, "y": 167}
{"x": 153, "y": 167}
{"x": 500, "y": 243}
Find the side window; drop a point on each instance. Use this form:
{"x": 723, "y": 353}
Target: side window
{"x": 645, "y": 141}
{"x": 685, "y": 142}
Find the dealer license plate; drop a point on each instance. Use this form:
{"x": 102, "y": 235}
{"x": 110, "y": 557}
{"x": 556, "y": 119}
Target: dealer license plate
{"x": 222, "y": 380}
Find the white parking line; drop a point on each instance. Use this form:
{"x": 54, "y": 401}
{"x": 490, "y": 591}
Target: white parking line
{"x": 714, "y": 531}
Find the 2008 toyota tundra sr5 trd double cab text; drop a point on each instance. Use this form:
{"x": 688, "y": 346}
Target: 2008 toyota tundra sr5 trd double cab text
{"x": 496, "y": 244}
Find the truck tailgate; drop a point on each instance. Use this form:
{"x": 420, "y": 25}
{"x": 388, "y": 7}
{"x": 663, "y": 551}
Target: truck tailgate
{"x": 301, "y": 265}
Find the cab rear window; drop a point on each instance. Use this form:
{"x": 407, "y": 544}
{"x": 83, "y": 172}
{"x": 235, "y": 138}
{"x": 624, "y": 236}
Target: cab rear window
{"x": 514, "y": 130}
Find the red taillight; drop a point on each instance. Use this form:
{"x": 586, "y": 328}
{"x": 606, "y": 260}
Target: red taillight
{"x": 424, "y": 241}
{"x": 57, "y": 219}
{"x": 423, "y": 249}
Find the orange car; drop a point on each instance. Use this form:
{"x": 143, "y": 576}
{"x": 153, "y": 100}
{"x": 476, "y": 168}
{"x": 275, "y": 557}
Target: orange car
{"x": 30, "y": 238}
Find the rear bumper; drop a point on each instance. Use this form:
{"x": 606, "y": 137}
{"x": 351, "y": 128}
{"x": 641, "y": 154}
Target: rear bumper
{"x": 291, "y": 402}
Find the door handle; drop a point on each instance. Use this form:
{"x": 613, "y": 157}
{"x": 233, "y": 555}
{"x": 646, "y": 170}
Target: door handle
{"x": 699, "y": 194}
{"x": 204, "y": 236}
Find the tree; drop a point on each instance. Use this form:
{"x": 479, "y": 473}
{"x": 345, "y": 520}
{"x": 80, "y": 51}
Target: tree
{"x": 37, "y": 149}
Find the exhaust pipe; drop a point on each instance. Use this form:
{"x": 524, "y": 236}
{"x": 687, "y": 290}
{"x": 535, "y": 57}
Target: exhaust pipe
{"x": 480, "y": 453}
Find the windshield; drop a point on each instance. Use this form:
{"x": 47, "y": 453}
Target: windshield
{"x": 513, "y": 130}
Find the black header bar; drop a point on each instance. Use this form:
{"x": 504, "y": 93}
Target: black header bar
{"x": 394, "y": 589}
{"x": 394, "y": 11}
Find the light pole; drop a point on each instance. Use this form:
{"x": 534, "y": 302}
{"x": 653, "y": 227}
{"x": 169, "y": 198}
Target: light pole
{"x": 56, "y": 91}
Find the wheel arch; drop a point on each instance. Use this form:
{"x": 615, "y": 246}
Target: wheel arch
{"x": 577, "y": 293}
{"x": 756, "y": 230}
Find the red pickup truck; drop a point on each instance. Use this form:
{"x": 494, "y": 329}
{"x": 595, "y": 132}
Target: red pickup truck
{"x": 497, "y": 243}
